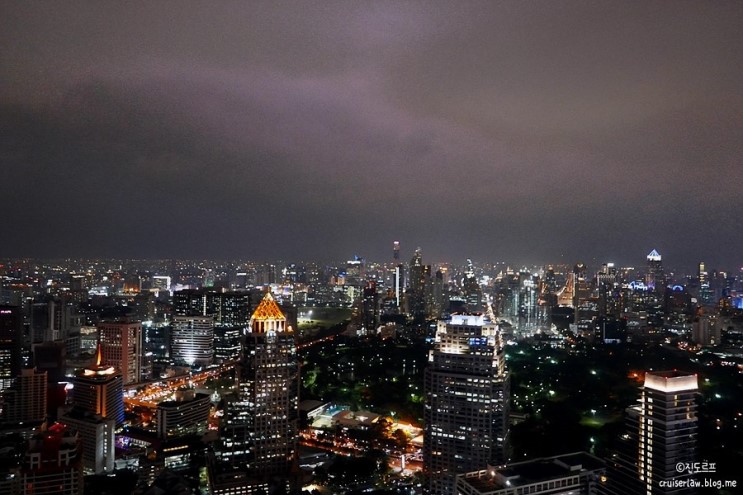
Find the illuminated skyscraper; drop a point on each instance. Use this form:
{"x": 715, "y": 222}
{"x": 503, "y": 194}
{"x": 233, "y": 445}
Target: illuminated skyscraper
{"x": 467, "y": 401}
{"x": 121, "y": 347}
{"x": 420, "y": 289}
{"x": 192, "y": 340}
{"x": 661, "y": 435}
{"x": 396, "y": 252}
{"x": 654, "y": 277}
{"x": 99, "y": 390}
{"x": 259, "y": 428}
{"x": 11, "y": 338}
{"x": 706, "y": 295}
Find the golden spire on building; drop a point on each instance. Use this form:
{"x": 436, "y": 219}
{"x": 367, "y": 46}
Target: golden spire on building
{"x": 268, "y": 316}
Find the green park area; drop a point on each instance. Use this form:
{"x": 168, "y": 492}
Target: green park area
{"x": 312, "y": 319}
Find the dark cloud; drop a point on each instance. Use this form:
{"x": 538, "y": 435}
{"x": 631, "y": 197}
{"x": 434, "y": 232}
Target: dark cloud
{"x": 525, "y": 131}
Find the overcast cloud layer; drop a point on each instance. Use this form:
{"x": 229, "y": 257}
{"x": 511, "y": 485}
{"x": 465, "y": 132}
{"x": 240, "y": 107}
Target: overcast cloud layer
{"x": 525, "y": 131}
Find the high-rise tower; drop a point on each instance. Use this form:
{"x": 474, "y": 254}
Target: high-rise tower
{"x": 654, "y": 277}
{"x": 121, "y": 346}
{"x": 467, "y": 401}
{"x": 99, "y": 390}
{"x": 259, "y": 429}
{"x": 11, "y": 338}
{"x": 419, "y": 286}
{"x": 192, "y": 340}
{"x": 661, "y": 435}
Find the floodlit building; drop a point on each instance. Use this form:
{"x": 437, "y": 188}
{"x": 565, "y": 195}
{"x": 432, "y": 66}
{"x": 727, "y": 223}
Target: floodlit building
{"x": 467, "y": 401}
{"x": 192, "y": 340}
{"x": 259, "y": 427}
{"x": 654, "y": 277}
{"x": 99, "y": 390}
{"x": 661, "y": 435}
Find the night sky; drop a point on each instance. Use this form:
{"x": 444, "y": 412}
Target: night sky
{"x": 520, "y": 131}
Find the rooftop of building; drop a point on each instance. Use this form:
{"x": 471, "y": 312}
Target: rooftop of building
{"x": 79, "y": 414}
{"x": 469, "y": 319}
{"x": 48, "y": 442}
{"x": 268, "y": 309}
{"x": 671, "y": 381}
{"x": 533, "y": 471}
{"x": 356, "y": 418}
{"x": 184, "y": 397}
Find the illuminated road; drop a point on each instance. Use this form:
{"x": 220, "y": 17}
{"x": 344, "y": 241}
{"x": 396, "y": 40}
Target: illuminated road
{"x": 157, "y": 391}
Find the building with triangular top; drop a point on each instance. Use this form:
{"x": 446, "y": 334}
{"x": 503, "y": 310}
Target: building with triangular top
{"x": 259, "y": 427}
{"x": 654, "y": 276}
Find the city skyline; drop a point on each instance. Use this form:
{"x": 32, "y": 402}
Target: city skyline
{"x": 523, "y": 132}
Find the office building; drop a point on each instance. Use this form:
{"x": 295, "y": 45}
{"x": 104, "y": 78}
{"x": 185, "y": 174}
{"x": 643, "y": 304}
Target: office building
{"x": 192, "y": 340}
{"x": 121, "y": 347}
{"x": 654, "y": 276}
{"x": 661, "y": 434}
{"x": 231, "y": 309}
{"x": 578, "y": 473}
{"x": 52, "y": 464}
{"x": 259, "y": 427}
{"x": 97, "y": 435}
{"x": 25, "y": 400}
{"x": 467, "y": 401}
{"x": 99, "y": 390}
{"x": 370, "y": 307}
{"x": 420, "y": 290}
{"x": 190, "y": 302}
{"x": 11, "y": 339}
{"x": 186, "y": 414}
{"x": 227, "y": 344}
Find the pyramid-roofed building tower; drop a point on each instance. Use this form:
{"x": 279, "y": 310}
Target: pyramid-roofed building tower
{"x": 259, "y": 428}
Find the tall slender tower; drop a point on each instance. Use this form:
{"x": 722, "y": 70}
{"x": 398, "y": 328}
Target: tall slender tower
{"x": 467, "y": 401}
{"x": 654, "y": 278}
{"x": 11, "y": 338}
{"x": 419, "y": 285}
{"x": 259, "y": 430}
{"x": 661, "y": 435}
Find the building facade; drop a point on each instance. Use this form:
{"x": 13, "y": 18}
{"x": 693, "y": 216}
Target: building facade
{"x": 259, "y": 427}
{"x": 187, "y": 414}
{"x": 99, "y": 390}
{"x": 192, "y": 340}
{"x": 11, "y": 340}
{"x": 467, "y": 401}
{"x": 25, "y": 401}
{"x": 121, "y": 347}
{"x": 97, "y": 437}
{"x": 661, "y": 435}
